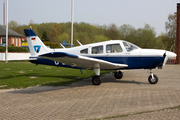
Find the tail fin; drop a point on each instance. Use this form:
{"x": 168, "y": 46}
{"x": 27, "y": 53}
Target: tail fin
{"x": 35, "y": 44}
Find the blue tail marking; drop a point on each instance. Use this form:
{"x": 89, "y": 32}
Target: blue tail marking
{"x": 29, "y": 32}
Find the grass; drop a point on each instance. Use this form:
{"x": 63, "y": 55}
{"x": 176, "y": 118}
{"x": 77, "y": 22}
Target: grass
{"x": 25, "y": 74}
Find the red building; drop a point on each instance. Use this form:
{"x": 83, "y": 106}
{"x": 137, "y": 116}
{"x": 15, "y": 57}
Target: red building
{"x": 178, "y": 35}
{"x": 14, "y": 38}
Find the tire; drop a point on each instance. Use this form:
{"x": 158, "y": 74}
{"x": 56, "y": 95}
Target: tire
{"x": 153, "y": 81}
{"x": 118, "y": 75}
{"x": 96, "y": 80}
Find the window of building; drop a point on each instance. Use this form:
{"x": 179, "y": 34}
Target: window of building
{"x": 12, "y": 40}
{"x": 19, "y": 42}
{"x": 97, "y": 50}
{"x": 16, "y": 42}
{"x": 3, "y": 40}
{"x": 84, "y": 51}
{"x": 113, "y": 48}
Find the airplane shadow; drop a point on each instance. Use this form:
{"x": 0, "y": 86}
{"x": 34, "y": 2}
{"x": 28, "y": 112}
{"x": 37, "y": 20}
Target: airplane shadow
{"x": 123, "y": 81}
{"x": 127, "y": 81}
{"x": 85, "y": 82}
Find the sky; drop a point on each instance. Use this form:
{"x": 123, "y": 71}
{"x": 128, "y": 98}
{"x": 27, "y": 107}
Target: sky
{"x": 96, "y": 12}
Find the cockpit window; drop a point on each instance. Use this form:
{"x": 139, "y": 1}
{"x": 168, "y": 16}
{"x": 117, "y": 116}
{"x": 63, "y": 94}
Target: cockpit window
{"x": 129, "y": 46}
{"x": 113, "y": 48}
{"x": 84, "y": 51}
{"x": 97, "y": 50}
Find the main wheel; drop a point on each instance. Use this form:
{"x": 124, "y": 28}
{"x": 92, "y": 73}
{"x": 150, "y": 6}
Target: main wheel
{"x": 96, "y": 80}
{"x": 153, "y": 81}
{"x": 118, "y": 75}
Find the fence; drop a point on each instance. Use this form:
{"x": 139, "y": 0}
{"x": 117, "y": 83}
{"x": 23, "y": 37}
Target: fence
{"x": 171, "y": 61}
{"x": 14, "y": 56}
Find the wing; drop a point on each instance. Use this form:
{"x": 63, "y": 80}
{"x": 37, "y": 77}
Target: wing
{"x": 81, "y": 61}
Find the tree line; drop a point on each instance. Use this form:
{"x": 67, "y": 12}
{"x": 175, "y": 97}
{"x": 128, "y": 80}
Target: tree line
{"x": 144, "y": 37}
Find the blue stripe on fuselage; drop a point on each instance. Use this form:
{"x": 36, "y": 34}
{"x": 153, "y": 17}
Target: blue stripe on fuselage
{"x": 132, "y": 62}
{"x": 135, "y": 62}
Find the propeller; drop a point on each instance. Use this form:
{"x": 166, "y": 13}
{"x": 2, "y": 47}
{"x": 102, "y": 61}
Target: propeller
{"x": 165, "y": 58}
{"x": 168, "y": 55}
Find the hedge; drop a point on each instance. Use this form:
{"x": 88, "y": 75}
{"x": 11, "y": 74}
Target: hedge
{"x": 13, "y": 49}
{"x": 52, "y": 45}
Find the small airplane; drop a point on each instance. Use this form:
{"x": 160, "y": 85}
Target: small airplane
{"x": 108, "y": 55}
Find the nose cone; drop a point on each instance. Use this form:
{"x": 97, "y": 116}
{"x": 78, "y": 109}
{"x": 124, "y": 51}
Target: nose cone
{"x": 170, "y": 54}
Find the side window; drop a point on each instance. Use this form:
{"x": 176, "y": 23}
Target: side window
{"x": 97, "y": 50}
{"x": 113, "y": 48}
{"x": 84, "y": 51}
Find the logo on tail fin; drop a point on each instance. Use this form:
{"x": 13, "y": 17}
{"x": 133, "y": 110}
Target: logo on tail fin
{"x": 37, "y": 48}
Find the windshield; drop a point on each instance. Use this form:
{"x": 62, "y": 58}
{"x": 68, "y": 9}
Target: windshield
{"x": 129, "y": 46}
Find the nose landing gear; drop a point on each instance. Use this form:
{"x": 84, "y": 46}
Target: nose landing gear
{"x": 153, "y": 79}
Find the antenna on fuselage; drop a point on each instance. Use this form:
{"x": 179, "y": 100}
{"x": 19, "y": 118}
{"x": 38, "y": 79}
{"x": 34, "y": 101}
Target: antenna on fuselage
{"x": 79, "y": 42}
{"x": 62, "y": 46}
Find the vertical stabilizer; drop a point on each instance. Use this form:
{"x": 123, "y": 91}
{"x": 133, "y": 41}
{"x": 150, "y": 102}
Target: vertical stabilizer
{"x": 35, "y": 44}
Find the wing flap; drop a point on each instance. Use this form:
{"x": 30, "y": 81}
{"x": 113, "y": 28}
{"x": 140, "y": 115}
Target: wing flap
{"x": 81, "y": 61}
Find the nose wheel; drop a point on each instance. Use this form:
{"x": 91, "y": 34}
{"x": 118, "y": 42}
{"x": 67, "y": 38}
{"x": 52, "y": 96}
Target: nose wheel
{"x": 153, "y": 79}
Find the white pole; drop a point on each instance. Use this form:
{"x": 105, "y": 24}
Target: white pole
{"x": 4, "y": 13}
{"x": 6, "y": 30}
{"x": 72, "y": 7}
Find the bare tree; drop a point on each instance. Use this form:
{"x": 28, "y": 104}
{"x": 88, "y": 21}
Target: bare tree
{"x": 170, "y": 25}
